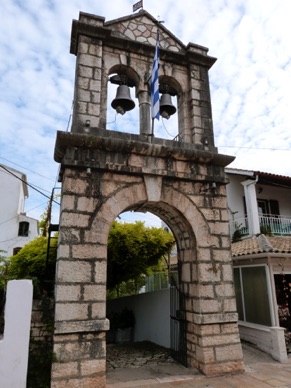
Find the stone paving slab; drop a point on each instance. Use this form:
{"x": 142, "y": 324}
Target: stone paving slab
{"x": 261, "y": 371}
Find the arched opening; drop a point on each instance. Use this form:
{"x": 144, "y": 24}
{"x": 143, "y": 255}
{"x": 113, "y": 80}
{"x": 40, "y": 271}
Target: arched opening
{"x": 121, "y": 86}
{"x": 159, "y": 308}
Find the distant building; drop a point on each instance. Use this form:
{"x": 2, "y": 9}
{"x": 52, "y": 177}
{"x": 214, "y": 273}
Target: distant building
{"x": 16, "y": 229}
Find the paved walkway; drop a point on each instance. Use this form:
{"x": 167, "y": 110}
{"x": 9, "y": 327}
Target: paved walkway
{"x": 147, "y": 366}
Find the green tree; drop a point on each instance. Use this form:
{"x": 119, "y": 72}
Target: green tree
{"x": 31, "y": 262}
{"x": 133, "y": 250}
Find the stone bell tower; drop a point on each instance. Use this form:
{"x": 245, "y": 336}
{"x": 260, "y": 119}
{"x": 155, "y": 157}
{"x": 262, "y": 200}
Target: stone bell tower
{"x": 105, "y": 173}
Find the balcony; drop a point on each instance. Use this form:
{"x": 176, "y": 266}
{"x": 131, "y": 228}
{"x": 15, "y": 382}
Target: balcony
{"x": 270, "y": 224}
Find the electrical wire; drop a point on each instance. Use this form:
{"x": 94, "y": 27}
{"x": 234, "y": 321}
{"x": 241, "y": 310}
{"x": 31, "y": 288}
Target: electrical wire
{"x": 25, "y": 168}
{"x": 27, "y": 211}
{"x": 28, "y": 184}
{"x": 166, "y": 129}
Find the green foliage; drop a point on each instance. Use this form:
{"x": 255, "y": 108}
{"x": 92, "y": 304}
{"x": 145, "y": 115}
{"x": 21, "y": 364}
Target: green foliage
{"x": 30, "y": 263}
{"x": 4, "y": 266}
{"x": 238, "y": 232}
{"x": 266, "y": 230}
{"x": 133, "y": 249}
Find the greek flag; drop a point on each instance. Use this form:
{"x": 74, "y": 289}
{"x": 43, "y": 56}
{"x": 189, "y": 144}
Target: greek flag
{"x": 155, "y": 100}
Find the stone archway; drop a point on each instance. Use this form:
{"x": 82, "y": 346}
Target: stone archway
{"x": 104, "y": 173}
{"x": 91, "y": 200}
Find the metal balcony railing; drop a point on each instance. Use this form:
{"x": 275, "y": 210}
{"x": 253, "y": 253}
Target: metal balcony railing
{"x": 270, "y": 224}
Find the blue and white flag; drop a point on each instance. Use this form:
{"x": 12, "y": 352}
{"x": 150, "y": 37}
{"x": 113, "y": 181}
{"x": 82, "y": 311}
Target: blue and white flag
{"x": 155, "y": 98}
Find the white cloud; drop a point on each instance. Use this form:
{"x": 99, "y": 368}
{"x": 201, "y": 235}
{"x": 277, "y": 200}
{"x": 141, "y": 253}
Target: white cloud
{"x": 250, "y": 82}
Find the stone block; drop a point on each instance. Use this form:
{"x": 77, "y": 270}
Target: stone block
{"x": 83, "y": 46}
{"x": 91, "y": 367}
{"x": 208, "y": 305}
{"x": 229, "y": 328}
{"x": 97, "y": 232}
{"x": 73, "y": 271}
{"x": 85, "y": 71}
{"x": 70, "y": 293}
{"x": 60, "y": 338}
{"x": 68, "y": 202}
{"x": 94, "y": 109}
{"x": 206, "y": 291}
{"x": 95, "y": 97}
{"x": 222, "y": 255}
{"x": 225, "y": 289}
{"x": 95, "y": 49}
{"x": 64, "y": 369}
{"x": 205, "y": 330}
{"x": 96, "y": 86}
{"x": 203, "y": 254}
{"x": 63, "y": 251}
{"x": 209, "y": 272}
{"x": 82, "y": 108}
{"x": 219, "y": 228}
{"x": 89, "y": 61}
{"x": 71, "y": 311}
{"x": 69, "y": 235}
{"x": 218, "y": 340}
{"x": 75, "y": 186}
{"x": 229, "y": 305}
{"x": 98, "y": 310}
{"x": 228, "y": 353}
{"x": 205, "y": 355}
{"x": 89, "y": 382}
{"x": 100, "y": 271}
{"x": 84, "y": 251}
{"x": 85, "y": 204}
{"x": 186, "y": 272}
{"x": 74, "y": 220}
{"x": 227, "y": 272}
{"x": 83, "y": 83}
{"x": 94, "y": 292}
{"x": 84, "y": 95}
{"x": 219, "y": 369}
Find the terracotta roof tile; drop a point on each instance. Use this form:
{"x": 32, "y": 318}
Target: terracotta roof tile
{"x": 245, "y": 247}
{"x": 260, "y": 244}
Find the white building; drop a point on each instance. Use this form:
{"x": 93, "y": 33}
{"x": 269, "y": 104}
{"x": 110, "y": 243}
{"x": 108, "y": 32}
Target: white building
{"x": 16, "y": 229}
{"x": 260, "y": 227}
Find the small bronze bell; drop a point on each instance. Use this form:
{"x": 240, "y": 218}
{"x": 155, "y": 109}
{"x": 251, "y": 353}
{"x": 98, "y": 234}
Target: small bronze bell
{"x": 122, "y": 102}
{"x": 167, "y": 109}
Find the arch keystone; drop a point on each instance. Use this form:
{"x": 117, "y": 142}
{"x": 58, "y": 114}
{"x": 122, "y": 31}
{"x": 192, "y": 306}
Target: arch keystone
{"x": 153, "y": 186}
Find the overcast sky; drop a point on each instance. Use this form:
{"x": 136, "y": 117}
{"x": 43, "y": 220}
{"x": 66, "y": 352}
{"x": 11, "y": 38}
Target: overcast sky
{"x": 250, "y": 82}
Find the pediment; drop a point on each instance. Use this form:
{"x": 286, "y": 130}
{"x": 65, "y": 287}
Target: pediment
{"x": 142, "y": 27}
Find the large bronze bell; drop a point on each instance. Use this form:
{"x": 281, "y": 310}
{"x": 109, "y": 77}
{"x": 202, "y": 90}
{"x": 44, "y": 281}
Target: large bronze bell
{"x": 122, "y": 102}
{"x": 167, "y": 109}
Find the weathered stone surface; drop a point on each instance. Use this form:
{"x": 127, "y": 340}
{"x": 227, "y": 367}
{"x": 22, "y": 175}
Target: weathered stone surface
{"x": 66, "y": 369}
{"x": 105, "y": 173}
{"x": 74, "y": 271}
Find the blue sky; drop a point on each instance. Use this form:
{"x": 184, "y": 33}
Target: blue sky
{"x": 250, "y": 82}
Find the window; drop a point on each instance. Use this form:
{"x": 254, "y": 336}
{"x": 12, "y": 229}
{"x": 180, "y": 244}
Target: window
{"x": 268, "y": 207}
{"x": 23, "y": 228}
{"x": 16, "y": 250}
{"x": 252, "y": 295}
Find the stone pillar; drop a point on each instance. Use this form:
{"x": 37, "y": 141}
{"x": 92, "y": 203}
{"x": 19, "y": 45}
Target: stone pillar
{"x": 144, "y": 113}
{"x": 80, "y": 293}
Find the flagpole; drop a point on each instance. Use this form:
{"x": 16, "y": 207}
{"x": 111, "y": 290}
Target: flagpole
{"x": 152, "y": 132}
{"x": 155, "y": 105}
